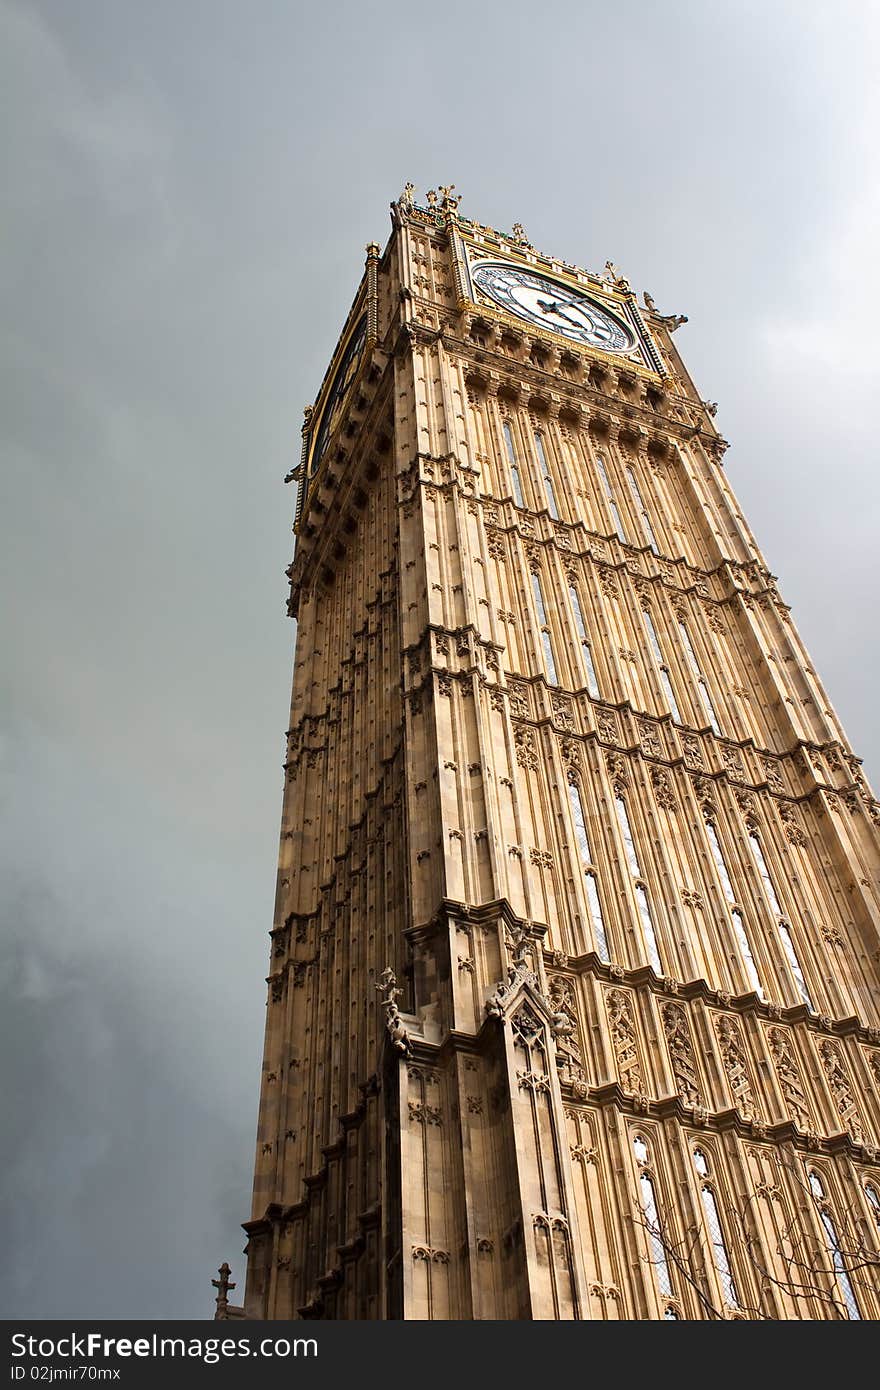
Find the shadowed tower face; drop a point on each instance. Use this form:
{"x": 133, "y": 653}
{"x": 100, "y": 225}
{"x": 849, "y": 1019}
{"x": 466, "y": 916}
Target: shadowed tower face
{"x": 572, "y": 1006}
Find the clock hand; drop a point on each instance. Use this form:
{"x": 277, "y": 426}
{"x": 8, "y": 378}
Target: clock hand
{"x": 550, "y": 306}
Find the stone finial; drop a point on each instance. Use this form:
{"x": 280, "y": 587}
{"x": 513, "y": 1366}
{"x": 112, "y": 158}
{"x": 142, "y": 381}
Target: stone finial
{"x": 617, "y": 277}
{"x": 406, "y": 197}
{"x": 223, "y": 1285}
{"x": 387, "y": 986}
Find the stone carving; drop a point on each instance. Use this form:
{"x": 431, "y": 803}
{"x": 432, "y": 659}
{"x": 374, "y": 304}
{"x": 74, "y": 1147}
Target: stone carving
{"x": 527, "y": 1026}
{"x": 663, "y": 792}
{"x": 424, "y": 1114}
{"x": 496, "y": 544}
{"x": 793, "y": 831}
{"x": 841, "y": 1090}
{"x": 617, "y": 770}
{"x": 681, "y": 1053}
{"x": 692, "y": 899}
{"x": 526, "y": 1023}
{"x": 733, "y": 763}
{"x": 623, "y": 1039}
{"x": 519, "y": 699}
{"x": 608, "y": 580}
{"x": 733, "y": 1056}
{"x": 744, "y": 801}
{"x": 561, "y": 708}
{"x": 569, "y": 1058}
{"x": 789, "y": 1077}
{"x": 423, "y": 1252}
{"x": 692, "y": 752}
{"x": 714, "y": 618}
{"x": 650, "y": 739}
{"x": 571, "y": 756}
{"x": 773, "y": 775}
{"x": 606, "y": 724}
{"x": 387, "y": 986}
{"x": 533, "y": 1081}
{"x": 526, "y": 754}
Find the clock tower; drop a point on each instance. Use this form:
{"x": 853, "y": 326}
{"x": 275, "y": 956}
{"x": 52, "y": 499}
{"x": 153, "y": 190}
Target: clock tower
{"x": 573, "y": 989}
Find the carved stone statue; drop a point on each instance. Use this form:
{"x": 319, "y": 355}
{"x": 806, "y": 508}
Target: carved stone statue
{"x": 387, "y": 985}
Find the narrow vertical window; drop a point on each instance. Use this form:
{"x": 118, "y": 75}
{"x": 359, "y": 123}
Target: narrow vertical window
{"x": 720, "y": 1257}
{"x": 664, "y": 669}
{"x": 648, "y": 934}
{"x": 648, "y": 928}
{"x": 794, "y": 964}
{"x": 873, "y": 1197}
{"x": 539, "y": 600}
{"x": 739, "y": 929}
{"x": 596, "y": 916}
{"x": 626, "y": 832}
{"x": 767, "y": 881}
{"x": 745, "y": 951}
{"x": 580, "y": 824}
{"x": 702, "y": 684}
{"x": 545, "y": 475}
{"x": 589, "y": 667}
{"x": 514, "y": 467}
{"x": 785, "y": 935}
{"x": 832, "y": 1241}
{"x": 641, "y": 509}
{"x": 583, "y": 843}
{"x": 648, "y": 1202}
{"x": 719, "y": 1248}
{"x": 546, "y": 640}
{"x": 609, "y": 494}
{"x": 719, "y": 862}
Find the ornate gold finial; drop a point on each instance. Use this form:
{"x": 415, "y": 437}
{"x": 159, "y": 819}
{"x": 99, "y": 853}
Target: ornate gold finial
{"x": 617, "y": 277}
{"x": 431, "y": 198}
{"x": 519, "y": 235}
{"x": 223, "y": 1285}
{"x": 448, "y": 202}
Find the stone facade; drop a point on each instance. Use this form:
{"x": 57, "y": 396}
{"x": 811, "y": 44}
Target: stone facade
{"x": 573, "y": 993}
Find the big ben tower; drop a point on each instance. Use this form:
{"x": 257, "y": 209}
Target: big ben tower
{"x": 573, "y": 995}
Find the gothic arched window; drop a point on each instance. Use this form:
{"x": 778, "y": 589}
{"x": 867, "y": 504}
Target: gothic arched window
{"x": 641, "y": 892}
{"x": 832, "y": 1242}
{"x": 794, "y": 964}
{"x": 592, "y": 891}
{"x": 720, "y": 1256}
{"x": 545, "y": 475}
{"x": 587, "y": 650}
{"x": 515, "y": 478}
{"x": 650, "y": 1212}
{"x": 544, "y": 624}
{"x": 736, "y": 916}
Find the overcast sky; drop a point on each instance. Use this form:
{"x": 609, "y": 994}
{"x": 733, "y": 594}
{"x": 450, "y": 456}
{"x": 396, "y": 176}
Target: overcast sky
{"x": 189, "y": 186}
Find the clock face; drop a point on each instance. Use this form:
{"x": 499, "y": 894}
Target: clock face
{"x": 345, "y": 374}
{"x": 550, "y": 305}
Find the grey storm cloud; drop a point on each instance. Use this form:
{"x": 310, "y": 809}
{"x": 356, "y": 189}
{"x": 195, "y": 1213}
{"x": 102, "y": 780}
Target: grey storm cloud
{"x": 187, "y": 192}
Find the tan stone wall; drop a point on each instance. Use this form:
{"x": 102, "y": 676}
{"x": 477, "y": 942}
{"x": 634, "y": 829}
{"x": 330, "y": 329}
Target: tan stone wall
{"x": 473, "y": 664}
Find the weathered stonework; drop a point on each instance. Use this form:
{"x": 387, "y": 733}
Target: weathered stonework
{"x": 577, "y": 892}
